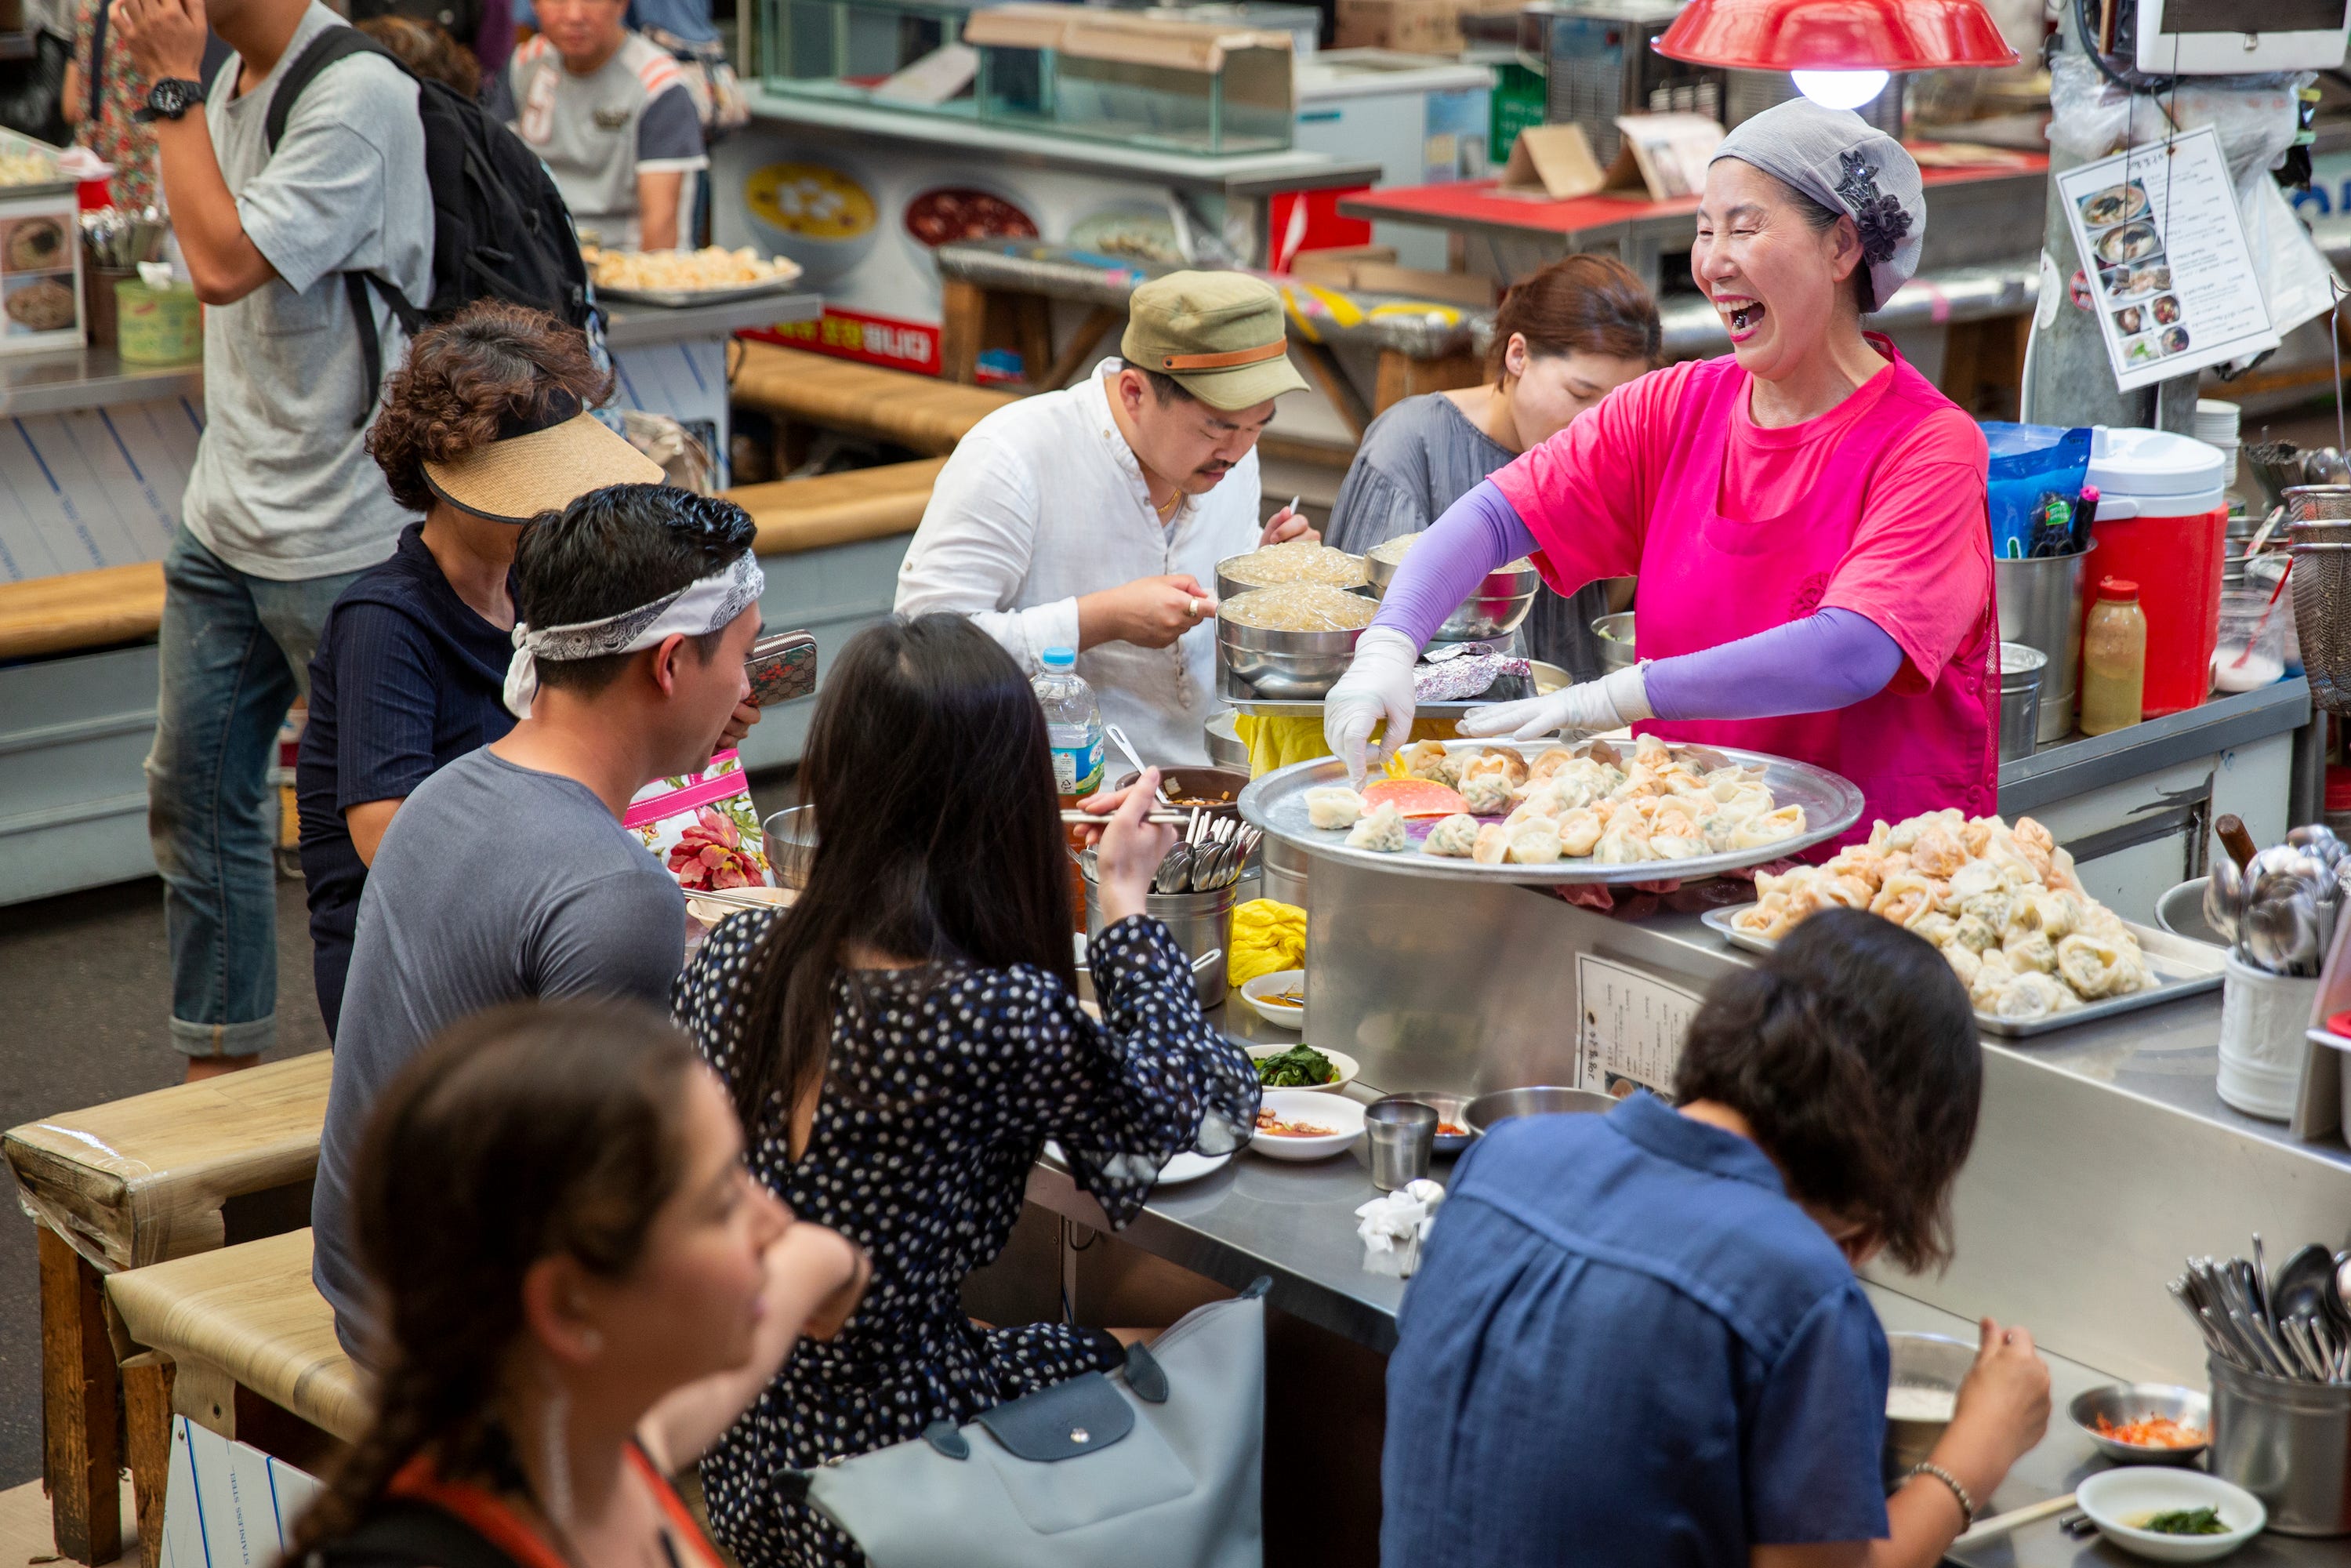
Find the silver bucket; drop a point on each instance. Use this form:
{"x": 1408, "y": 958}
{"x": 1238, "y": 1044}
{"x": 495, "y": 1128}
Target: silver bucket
{"x": 2286, "y": 1442}
{"x": 1202, "y": 923}
{"x": 2041, "y": 607}
{"x": 2022, "y": 670}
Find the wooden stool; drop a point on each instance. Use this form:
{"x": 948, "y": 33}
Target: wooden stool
{"x": 239, "y": 1341}
{"x": 120, "y": 1187}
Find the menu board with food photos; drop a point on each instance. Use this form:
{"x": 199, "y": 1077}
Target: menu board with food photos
{"x": 40, "y": 274}
{"x": 2164, "y": 255}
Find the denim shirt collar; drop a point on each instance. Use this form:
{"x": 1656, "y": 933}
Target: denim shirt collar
{"x": 1666, "y": 1133}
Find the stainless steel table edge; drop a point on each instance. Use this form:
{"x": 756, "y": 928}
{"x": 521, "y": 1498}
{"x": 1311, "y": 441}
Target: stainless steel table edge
{"x": 634, "y": 326}
{"x": 2064, "y": 769}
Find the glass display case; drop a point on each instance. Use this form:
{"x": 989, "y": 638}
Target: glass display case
{"x": 1160, "y": 79}
{"x": 896, "y": 54}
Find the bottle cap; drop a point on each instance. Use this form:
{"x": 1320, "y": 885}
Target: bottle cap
{"x": 2118, "y": 588}
{"x": 1060, "y": 658}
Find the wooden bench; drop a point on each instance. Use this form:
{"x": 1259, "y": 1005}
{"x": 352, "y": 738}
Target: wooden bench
{"x": 81, "y": 609}
{"x": 123, "y": 1186}
{"x": 797, "y": 515}
{"x": 239, "y": 1341}
{"x": 919, "y": 413}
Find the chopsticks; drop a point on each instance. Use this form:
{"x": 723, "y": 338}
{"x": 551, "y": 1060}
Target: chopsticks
{"x": 2014, "y": 1518}
{"x": 1074, "y": 817}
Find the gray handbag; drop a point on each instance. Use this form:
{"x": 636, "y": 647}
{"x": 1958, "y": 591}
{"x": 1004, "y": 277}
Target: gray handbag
{"x": 1153, "y": 1466}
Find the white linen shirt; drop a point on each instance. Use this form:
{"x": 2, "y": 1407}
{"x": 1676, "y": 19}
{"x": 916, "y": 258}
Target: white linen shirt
{"x": 1044, "y": 501}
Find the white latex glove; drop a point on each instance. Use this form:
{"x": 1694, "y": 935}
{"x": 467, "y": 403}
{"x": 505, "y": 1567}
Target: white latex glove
{"x": 1377, "y": 686}
{"x": 1616, "y": 699}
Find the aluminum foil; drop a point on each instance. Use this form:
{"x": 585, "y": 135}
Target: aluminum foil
{"x": 1456, "y": 680}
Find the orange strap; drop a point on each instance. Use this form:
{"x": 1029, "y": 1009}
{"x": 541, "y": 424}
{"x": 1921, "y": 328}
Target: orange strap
{"x": 1227, "y": 360}
{"x": 496, "y": 1520}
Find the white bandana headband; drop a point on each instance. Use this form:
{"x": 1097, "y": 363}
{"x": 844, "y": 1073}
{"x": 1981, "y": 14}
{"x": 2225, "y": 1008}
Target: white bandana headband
{"x": 699, "y": 608}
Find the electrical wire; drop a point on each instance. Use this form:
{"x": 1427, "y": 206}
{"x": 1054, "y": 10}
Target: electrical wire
{"x": 2090, "y": 46}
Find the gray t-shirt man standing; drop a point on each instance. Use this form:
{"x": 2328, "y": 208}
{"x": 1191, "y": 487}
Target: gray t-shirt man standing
{"x": 283, "y": 506}
{"x": 507, "y": 874}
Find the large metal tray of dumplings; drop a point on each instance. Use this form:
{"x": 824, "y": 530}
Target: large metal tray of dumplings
{"x": 1277, "y": 803}
{"x": 2181, "y": 966}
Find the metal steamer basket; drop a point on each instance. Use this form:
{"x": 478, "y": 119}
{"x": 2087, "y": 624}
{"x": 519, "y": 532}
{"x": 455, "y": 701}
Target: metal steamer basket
{"x": 1277, "y": 803}
{"x": 1497, "y": 607}
{"x": 2318, "y": 526}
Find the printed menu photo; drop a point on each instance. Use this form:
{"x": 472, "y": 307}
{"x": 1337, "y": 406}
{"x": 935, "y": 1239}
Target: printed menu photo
{"x": 2163, "y": 247}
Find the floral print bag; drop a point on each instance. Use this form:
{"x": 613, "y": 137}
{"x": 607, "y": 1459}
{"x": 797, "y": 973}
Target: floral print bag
{"x": 702, "y": 826}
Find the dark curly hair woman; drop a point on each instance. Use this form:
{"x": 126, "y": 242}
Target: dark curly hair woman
{"x": 482, "y": 429}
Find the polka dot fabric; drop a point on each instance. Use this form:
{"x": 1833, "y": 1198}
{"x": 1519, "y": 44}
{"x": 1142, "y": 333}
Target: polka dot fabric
{"x": 943, "y": 1086}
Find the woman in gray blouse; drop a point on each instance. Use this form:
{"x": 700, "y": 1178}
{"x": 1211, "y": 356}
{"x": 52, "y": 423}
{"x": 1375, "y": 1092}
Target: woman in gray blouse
{"x": 1564, "y": 339}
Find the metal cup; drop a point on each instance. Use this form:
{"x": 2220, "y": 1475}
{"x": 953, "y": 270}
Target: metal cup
{"x": 1402, "y": 1133}
{"x": 2041, "y": 607}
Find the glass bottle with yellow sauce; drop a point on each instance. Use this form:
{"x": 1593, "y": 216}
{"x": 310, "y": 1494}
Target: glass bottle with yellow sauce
{"x": 2114, "y": 659}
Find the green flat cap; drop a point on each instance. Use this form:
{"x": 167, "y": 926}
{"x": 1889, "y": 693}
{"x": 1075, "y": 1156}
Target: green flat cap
{"x": 1219, "y": 335}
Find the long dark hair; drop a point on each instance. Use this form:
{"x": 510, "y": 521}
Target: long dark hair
{"x": 938, "y": 839}
{"x": 1852, "y": 1053}
{"x": 527, "y": 1131}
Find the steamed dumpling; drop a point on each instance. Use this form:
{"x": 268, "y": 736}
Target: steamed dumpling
{"x": 1383, "y": 831}
{"x": 1993, "y": 971}
{"x": 1579, "y": 830}
{"x": 1456, "y": 836}
{"x": 1487, "y": 793}
{"x": 1333, "y": 806}
{"x": 2030, "y": 996}
{"x": 1965, "y": 962}
{"x": 1677, "y": 846}
{"x": 2030, "y": 950}
{"x": 2096, "y": 968}
{"x": 1534, "y": 842}
{"x": 1970, "y": 931}
{"x": 1771, "y": 828}
{"x": 1623, "y": 844}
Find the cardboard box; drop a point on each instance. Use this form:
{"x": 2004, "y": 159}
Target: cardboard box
{"x": 1663, "y": 156}
{"x": 1415, "y": 26}
{"x": 1353, "y": 271}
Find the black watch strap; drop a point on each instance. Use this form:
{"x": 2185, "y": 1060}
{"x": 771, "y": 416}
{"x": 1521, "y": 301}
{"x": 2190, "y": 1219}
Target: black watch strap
{"x": 170, "y": 98}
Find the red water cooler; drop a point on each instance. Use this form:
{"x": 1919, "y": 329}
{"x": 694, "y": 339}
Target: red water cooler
{"x": 2162, "y": 515}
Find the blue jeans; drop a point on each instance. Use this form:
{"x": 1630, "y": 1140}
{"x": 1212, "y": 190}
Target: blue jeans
{"x": 235, "y": 653}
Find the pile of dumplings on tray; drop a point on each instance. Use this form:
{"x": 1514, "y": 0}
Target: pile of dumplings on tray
{"x": 1660, "y": 804}
{"x": 2000, "y": 902}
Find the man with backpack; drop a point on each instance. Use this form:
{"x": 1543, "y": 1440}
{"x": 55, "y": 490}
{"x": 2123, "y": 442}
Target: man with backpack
{"x": 283, "y": 506}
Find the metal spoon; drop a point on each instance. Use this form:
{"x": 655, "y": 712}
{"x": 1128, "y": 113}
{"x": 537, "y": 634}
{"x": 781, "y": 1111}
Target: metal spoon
{"x": 2303, "y": 1283}
{"x": 2339, "y": 1301}
{"x": 1126, "y": 746}
{"x": 1174, "y": 872}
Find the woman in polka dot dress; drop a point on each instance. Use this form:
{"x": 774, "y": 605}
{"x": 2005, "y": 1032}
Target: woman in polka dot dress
{"x": 903, "y": 1042}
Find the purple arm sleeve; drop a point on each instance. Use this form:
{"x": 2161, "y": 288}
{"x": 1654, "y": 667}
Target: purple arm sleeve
{"x": 1828, "y": 660}
{"x": 1478, "y": 533}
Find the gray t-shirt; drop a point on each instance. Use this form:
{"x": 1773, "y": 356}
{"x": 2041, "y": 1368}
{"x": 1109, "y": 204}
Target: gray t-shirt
{"x": 494, "y": 883}
{"x": 282, "y": 486}
{"x": 1418, "y": 458}
{"x": 596, "y": 133}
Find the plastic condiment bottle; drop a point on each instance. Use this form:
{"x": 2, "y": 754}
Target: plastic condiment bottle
{"x": 2114, "y": 659}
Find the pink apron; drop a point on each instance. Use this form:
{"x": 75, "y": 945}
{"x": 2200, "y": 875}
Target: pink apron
{"x": 1708, "y": 579}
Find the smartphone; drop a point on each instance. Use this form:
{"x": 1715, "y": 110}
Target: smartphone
{"x": 781, "y": 667}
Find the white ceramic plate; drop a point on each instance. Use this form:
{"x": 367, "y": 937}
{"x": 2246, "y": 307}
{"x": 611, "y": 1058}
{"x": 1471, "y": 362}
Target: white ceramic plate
{"x": 1346, "y": 1065}
{"x": 2117, "y": 1499}
{"x": 1189, "y": 1165}
{"x": 1343, "y": 1116}
{"x": 1261, "y": 993}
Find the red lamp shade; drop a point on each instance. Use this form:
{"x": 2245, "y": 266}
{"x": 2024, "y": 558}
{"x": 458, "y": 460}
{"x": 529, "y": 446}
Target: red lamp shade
{"x": 1835, "y": 34}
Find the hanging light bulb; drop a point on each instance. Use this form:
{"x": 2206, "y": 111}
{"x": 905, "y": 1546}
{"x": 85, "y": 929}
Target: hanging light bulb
{"x": 1839, "y": 89}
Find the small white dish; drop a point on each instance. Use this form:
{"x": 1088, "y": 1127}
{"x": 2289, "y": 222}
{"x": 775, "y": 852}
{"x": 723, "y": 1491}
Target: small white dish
{"x": 1189, "y": 1165}
{"x": 2117, "y": 1499}
{"x": 1347, "y": 1064}
{"x": 1262, "y": 994}
{"x": 1343, "y": 1116}
{"x": 711, "y": 910}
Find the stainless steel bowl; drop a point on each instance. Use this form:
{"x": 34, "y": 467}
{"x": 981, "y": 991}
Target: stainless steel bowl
{"x": 2121, "y": 1402}
{"x": 1499, "y": 607}
{"x": 1285, "y": 664}
{"x": 1449, "y": 1108}
{"x": 1221, "y": 785}
{"x": 1616, "y": 634}
{"x": 1226, "y": 586}
{"x": 1225, "y": 748}
{"x": 787, "y": 838}
{"x": 2181, "y": 912}
{"x": 1487, "y": 1111}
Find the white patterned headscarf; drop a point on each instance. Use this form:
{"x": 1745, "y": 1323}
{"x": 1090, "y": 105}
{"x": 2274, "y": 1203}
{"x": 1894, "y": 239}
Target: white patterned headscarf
{"x": 1849, "y": 166}
{"x": 701, "y": 607}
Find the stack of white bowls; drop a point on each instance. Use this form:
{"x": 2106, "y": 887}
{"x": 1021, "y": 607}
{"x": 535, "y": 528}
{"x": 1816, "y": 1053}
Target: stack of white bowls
{"x": 2217, "y": 425}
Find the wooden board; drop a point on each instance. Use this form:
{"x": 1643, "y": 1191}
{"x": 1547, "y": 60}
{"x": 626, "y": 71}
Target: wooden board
{"x": 917, "y": 412}
{"x": 83, "y": 1439}
{"x": 250, "y": 1314}
{"x": 796, "y": 515}
{"x": 81, "y": 609}
{"x": 142, "y": 1180}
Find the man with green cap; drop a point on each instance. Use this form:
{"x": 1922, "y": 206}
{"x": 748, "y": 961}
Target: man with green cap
{"x": 1091, "y": 518}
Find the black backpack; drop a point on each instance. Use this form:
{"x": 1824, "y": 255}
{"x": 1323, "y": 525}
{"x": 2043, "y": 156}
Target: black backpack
{"x": 500, "y": 229}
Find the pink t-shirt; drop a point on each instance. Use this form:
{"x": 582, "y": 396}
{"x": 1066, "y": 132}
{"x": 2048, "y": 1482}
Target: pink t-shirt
{"x": 1919, "y": 565}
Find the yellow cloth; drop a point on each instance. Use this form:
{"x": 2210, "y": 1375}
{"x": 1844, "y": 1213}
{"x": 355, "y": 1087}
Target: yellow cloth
{"x": 1277, "y": 742}
{"x": 1268, "y": 937}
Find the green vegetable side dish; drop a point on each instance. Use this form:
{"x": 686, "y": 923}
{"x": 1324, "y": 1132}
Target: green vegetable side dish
{"x": 1300, "y": 1067}
{"x": 2184, "y": 1521}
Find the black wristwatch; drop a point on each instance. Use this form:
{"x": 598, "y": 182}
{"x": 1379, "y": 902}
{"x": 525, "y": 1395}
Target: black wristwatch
{"x": 170, "y": 98}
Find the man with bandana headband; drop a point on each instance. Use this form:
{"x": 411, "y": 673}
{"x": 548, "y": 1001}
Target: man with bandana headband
{"x": 507, "y": 874}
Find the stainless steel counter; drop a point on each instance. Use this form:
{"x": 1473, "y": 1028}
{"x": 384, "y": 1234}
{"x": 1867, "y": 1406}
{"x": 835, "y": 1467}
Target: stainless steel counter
{"x": 2083, "y": 763}
{"x": 632, "y": 326}
{"x": 67, "y": 381}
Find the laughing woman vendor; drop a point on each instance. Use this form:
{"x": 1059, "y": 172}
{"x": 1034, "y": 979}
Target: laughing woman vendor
{"x": 1806, "y": 515}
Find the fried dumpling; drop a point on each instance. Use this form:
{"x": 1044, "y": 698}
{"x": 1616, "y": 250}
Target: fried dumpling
{"x": 1455, "y": 836}
{"x": 1333, "y": 806}
{"x": 1487, "y": 793}
{"x": 1383, "y": 831}
{"x": 1493, "y": 846}
{"x": 1534, "y": 842}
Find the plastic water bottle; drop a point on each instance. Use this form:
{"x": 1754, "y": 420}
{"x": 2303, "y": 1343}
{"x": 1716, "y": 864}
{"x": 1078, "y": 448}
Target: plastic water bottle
{"x": 1073, "y": 722}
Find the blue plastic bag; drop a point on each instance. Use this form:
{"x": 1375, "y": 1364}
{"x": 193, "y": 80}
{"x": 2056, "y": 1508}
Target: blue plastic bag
{"x": 2030, "y": 462}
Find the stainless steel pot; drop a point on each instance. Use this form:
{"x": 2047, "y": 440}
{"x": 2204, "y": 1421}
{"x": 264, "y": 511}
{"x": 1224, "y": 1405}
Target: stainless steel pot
{"x": 2288, "y": 1443}
{"x": 1500, "y": 605}
{"x": 787, "y": 838}
{"x": 1225, "y": 748}
{"x": 1616, "y": 634}
{"x": 2041, "y": 607}
{"x": 1202, "y": 923}
{"x": 1285, "y": 664}
{"x": 1228, "y": 585}
{"x": 2022, "y": 670}
{"x": 1540, "y": 1099}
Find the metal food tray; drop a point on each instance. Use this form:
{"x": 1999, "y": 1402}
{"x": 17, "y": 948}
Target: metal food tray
{"x": 1239, "y": 694}
{"x": 680, "y": 299}
{"x": 1277, "y": 803}
{"x": 2182, "y": 966}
